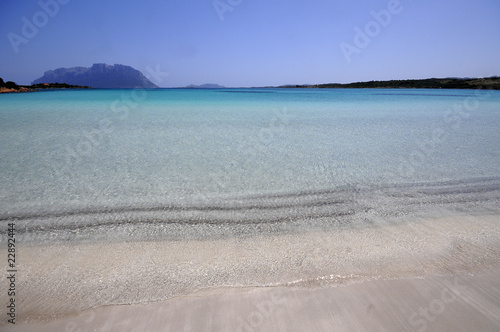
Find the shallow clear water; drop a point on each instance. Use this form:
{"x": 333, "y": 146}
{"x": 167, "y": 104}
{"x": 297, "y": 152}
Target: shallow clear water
{"x": 124, "y": 196}
{"x": 221, "y": 155}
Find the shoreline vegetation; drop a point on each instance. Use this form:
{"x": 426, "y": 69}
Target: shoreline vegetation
{"x": 12, "y": 87}
{"x": 491, "y": 83}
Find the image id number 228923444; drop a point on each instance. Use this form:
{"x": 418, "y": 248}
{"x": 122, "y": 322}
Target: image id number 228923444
{"x": 11, "y": 273}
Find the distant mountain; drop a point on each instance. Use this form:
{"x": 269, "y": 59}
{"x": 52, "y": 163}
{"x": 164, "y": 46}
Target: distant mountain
{"x": 206, "y": 86}
{"x": 100, "y": 75}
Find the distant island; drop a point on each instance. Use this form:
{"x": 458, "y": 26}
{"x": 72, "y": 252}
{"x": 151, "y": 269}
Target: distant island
{"x": 126, "y": 77}
{"x": 205, "y": 86}
{"x": 10, "y": 86}
{"x": 492, "y": 83}
{"x": 100, "y": 75}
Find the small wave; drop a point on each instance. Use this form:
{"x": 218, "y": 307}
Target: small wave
{"x": 264, "y": 213}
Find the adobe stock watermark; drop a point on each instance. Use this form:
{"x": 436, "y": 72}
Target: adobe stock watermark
{"x": 263, "y": 309}
{"x": 372, "y": 29}
{"x": 425, "y": 147}
{"x": 421, "y": 318}
{"x": 453, "y": 121}
{"x": 156, "y": 75}
{"x": 223, "y": 6}
{"x": 408, "y": 165}
{"x": 72, "y": 326}
{"x": 94, "y": 137}
{"x": 40, "y": 19}
{"x": 258, "y": 144}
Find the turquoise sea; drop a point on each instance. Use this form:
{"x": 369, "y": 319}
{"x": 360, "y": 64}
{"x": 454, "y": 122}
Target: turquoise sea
{"x": 244, "y": 156}
{"x": 138, "y": 196}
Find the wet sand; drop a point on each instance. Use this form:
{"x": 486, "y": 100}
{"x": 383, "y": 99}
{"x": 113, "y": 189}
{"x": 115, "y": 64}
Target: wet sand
{"x": 438, "y": 303}
{"x": 353, "y": 278}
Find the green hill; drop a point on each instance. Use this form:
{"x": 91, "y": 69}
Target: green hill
{"x": 492, "y": 83}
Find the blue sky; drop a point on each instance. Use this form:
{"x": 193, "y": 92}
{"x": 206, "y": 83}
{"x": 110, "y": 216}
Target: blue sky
{"x": 254, "y": 42}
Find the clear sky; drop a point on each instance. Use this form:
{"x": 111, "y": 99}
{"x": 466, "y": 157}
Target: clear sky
{"x": 254, "y": 42}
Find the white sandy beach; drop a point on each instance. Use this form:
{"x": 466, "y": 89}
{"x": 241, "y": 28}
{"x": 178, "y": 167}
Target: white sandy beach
{"x": 438, "y": 303}
{"x": 352, "y": 278}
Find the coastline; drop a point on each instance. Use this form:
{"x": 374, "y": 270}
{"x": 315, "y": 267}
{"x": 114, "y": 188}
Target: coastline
{"x": 21, "y": 89}
{"x": 460, "y": 302}
{"x": 484, "y": 83}
{"x": 62, "y": 282}
{"x": 41, "y": 87}
{"x": 138, "y": 214}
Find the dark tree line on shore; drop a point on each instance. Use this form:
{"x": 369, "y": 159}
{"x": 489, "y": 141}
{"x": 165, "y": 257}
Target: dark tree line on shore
{"x": 8, "y": 84}
{"x": 13, "y": 85}
{"x": 430, "y": 83}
